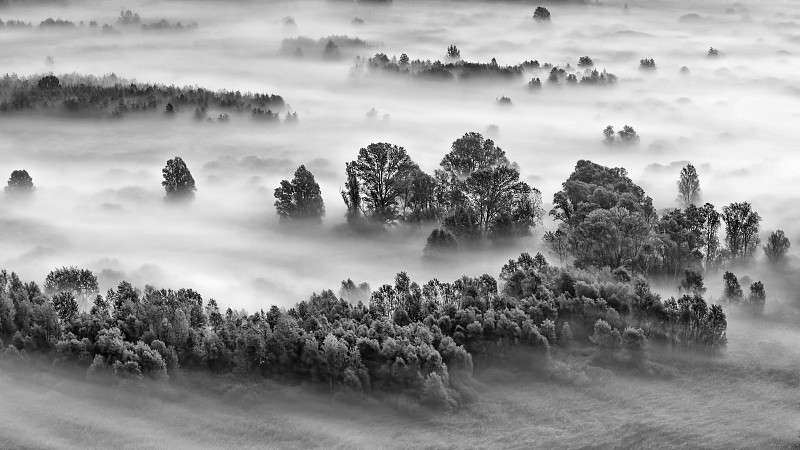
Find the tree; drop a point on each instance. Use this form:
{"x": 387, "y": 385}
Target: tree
{"x": 757, "y": 295}
{"x": 541, "y": 14}
{"x": 440, "y": 241}
{"x": 178, "y": 181}
{"x": 80, "y": 282}
{"x": 470, "y": 153}
{"x": 585, "y": 61}
{"x": 382, "y": 171}
{"x": 20, "y": 183}
{"x": 692, "y": 283}
{"x": 688, "y": 187}
{"x": 453, "y": 52}
{"x": 608, "y": 135}
{"x": 741, "y": 230}
{"x": 300, "y": 199}
{"x": 777, "y": 247}
{"x": 628, "y": 136}
{"x": 351, "y": 194}
{"x": 647, "y": 64}
{"x": 48, "y": 82}
{"x": 711, "y": 222}
{"x": 557, "y": 243}
{"x": 331, "y": 51}
{"x": 732, "y": 289}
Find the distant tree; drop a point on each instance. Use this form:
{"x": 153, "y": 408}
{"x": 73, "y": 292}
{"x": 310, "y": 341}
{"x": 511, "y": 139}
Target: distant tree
{"x": 404, "y": 61}
{"x": 634, "y": 342}
{"x": 504, "y": 101}
{"x": 453, "y": 52}
{"x": 647, "y": 64}
{"x": 557, "y": 243}
{"x": 684, "y": 70}
{"x": 535, "y": 84}
{"x": 129, "y": 18}
{"x": 757, "y": 295}
{"x": 777, "y": 247}
{"x": 470, "y": 153}
{"x": 541, "y": 14}
{"x": 331, "y": 51}
{"x": 48, "y": 82}
{"x": 169, "y": 109}
{"x": 440, "y": 241}
{"x": 300, "y": 199}
{"x": 178, "y": 181}
{"x": 605, "y": 337}
{"x": 608, "y": 135}
{"x": 382, "y": 171}
{"x": 688, "y": 187}
{"x": 585, "y": 61}
{"x": 741, "y": 230}
{"x": 712, "y": 52}
{"x": 80, "y": 282}
{"x": 19, "y": 183}
{"x": 732, "y": 291}
{"x": 628, "y": 136}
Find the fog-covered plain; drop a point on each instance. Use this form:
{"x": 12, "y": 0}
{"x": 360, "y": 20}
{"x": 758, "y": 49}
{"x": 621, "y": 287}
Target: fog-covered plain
{"x": 99, "y": 203}
{"x": 98, "y": 200}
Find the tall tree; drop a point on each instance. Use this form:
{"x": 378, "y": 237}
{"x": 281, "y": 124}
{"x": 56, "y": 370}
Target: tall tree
{"x": 300, "y": 199}
{"x": 688, "y": 187}
{"x": 711, "y": 222}
{"x": 178, "y": 181}
{"x": 383, "y": 172}
{"x": 777, "y": 247}
{"x": 741, "y": 230}
{"x": 351, "y": 194}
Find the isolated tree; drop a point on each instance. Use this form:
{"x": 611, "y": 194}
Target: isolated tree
{"x": 732, "y": 290}
{"x": 178, "y": 181}
{"x": 777, "y": 247}
{"x": 541, "y": 14}
{"x": 66, "y": 306}
{"x": 300, "y": 199}
{"x": 20, "y": 183}
{"x": 48, "y": 82}
{"x": 382, "y": 171}
{"x": 688, "y": 187}
{"x": 453, "y": 52}
{"x": 713, "y": 52}
{"x": 647, "y": 64}
{"x": 741, "y": 230}
{"x": 585, "y": 61}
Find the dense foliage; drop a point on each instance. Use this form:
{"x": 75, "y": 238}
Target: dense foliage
{"x": 421, "y": 341}
{"x": 113, "y": 96}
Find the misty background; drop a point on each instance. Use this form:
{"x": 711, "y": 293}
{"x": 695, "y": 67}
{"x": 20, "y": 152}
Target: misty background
{"x": 99, "y": 203}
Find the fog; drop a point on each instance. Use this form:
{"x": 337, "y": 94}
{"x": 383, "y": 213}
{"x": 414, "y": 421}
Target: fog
{"x": 99, "y": 203}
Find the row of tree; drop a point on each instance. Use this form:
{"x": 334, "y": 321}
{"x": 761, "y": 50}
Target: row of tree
{"x": 419, "y": 341}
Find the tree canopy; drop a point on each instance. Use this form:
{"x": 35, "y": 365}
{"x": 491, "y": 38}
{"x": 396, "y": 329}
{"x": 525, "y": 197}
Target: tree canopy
{"x": 178, "y": 181}
{"x": 300, "y": 199}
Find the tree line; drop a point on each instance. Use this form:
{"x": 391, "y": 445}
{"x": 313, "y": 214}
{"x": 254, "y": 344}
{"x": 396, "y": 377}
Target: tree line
{"x": 420, "y": 341}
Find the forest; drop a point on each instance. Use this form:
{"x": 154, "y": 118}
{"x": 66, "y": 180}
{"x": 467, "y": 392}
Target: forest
{"x": 399, "y": 224}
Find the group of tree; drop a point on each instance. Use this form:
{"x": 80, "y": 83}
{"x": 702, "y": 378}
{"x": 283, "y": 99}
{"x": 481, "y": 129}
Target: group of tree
{"x": 475, "y": 194}
{"x": 456, "y": 68}
{"x": 606, "y": 220}
{"x": 625, "y": 137}
{"x": 327, "y": 48}
{"x": 403, "y": 338}
{"x": 115, "y": 97}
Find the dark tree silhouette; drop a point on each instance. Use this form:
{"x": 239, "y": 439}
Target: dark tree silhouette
{"x": 48, "y": 82}
{"x": 732, "y": 291}
{"x": 331, "y": 51}
{"x": 541, "y": 14}
{"x": 777, "y": 247}
{"x": 19, "y": 183}
{"x": 688, "y": 187}
{"x": 647, "y": 64}
{"x": 66, "y": 306}
{"x": 585, "y": 61}
{"x": 300, "y": 199}
{"x": 440, "y": 241}
{"x": 351, "y": 194}
{"x": 178, "y": 181}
